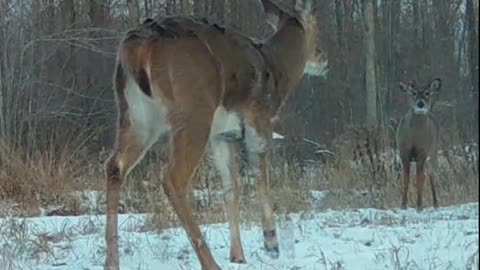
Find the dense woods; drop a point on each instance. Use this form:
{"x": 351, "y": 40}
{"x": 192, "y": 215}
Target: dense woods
{"x": 57, "y": 59}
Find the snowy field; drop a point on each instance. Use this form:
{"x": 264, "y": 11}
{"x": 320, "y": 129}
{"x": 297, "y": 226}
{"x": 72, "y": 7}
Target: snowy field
{"x": 446, "y": 238}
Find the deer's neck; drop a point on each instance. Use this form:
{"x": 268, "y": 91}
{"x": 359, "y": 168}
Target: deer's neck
{"x": 418, "y": 120}
{"x": 286, "y": 55}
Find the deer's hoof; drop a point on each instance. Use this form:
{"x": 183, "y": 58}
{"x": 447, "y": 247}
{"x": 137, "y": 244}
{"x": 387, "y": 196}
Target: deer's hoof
{"x": 212, "y": 267}
{"x": 239, "y": 260}
{"x": 272, "y": 251}
{"x": 236, "y": 255}
{"x": 404, "y": 207}
{"x": 111, "y": 264}
{"x": 110, "y": 267}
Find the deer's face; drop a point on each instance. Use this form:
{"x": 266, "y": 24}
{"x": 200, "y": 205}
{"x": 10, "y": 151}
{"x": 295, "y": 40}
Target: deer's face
{"x": 317, "y": 60}
{"x": 304, "y": 11}
{"x": 420, "y": 98}
{"x": 317, "y": 64}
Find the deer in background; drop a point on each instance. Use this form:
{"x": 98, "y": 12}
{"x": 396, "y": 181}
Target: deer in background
{"x": 418, "y": 138}
{"x": 205, "y": 87}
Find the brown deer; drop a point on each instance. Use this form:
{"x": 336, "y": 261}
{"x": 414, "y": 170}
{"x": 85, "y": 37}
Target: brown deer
{"x": 418, "y": 137}
{"x": 204, "y": 86}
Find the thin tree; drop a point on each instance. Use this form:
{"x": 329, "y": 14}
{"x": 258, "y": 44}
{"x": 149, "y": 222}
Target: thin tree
{"x": 370, "y": 74}
{"x": 472, "y": 27}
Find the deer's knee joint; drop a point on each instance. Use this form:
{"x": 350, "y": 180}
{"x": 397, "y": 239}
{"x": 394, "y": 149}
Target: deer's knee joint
{"x": 174, "y": 188}
{"x": 228, "y": 191}
{"x": 112, "y": 169}
{"x": 269, "y": 234}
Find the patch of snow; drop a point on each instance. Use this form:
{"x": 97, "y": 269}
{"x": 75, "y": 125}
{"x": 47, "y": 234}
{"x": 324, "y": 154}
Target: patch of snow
{"x": 446, "y": 238}
{"x": 205, "y": 196}
{"x": 90, "y": 200}
{"x": 277, "y": 136}
{"x": 324, "y": 151}
{"x": 318, "y": 195}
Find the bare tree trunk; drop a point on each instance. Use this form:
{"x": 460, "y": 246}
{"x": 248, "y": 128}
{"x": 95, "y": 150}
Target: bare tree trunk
{"x": 200, "y": 8}
{"x": 68, "y": 15}
{"x": 389, "y": 39}
{"x": 147, "y": 5}
{"x": 3, "y": 9}
{"x": 472, "y": 26}
{"x": 217, "y": 10}
{"x": 3, "y": 14}
{"x": 186, "y": 7}
{"x": 475, "y": 6}
{"x": 97, "y": 13}
{"x": 417, "y": 60}
{"x": 171, "y": 7}
{"x": 473, "y": 44}
{"x": 344, "y": 28}
{"x": 68, "y": 19}
{"x": 133, "y": 12}
{"x": 370, "y": 74}
{"x": 2, "y": 90}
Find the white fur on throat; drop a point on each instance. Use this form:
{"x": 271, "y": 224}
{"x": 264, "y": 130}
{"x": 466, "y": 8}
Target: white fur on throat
{"x": 314, "y": 68}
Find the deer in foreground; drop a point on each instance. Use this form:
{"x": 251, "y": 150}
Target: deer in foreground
{"x": 204, "y": 87}
{"x": 418, "y": 137}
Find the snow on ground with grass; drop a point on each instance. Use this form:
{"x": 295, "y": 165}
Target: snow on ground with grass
{"x": 446, "y": 238}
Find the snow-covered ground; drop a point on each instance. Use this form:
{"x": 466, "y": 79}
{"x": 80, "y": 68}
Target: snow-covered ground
{"x": 446, "y": 238}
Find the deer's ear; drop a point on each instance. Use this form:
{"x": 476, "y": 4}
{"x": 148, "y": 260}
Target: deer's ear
{"x": 404, "y": 87}
{"x": 303, "y": 8}
{"x": 435, "y": 85}
{"x": 407, "y": 87}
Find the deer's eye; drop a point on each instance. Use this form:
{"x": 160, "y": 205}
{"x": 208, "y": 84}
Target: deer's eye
{"x": 427, "y": 94}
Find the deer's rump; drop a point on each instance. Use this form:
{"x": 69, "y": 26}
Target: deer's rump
{"x": 181, "y": 54}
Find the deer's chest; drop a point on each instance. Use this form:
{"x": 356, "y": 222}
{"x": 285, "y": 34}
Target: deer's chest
{"x": 417, "y": 145}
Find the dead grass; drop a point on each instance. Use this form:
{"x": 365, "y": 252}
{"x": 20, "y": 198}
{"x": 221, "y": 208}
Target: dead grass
{"x": 363, "y": 174}
{"x": 21, "y": 241}
{"x": 367, "y": 174}
{"x": 44, "y": 179}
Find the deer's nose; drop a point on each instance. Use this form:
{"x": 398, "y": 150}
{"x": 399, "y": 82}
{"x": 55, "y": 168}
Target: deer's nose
{"x": 420, "y": 104}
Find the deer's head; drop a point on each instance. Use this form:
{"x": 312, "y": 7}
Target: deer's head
{"x": 277, "y": 15}
{"x": 420, "y": 98}
{"x": 317, "y": 62}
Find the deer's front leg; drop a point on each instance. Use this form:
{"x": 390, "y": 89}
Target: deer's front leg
{"x": 258, "y": 135}
{"x": 406, "y": 182}
{"x": 420, "y": 183}
{"x": 433, "y": 174}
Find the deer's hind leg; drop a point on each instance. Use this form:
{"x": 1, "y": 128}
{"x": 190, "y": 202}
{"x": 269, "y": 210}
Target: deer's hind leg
{"x": 189, "y": 137}
{"x": 224, "y": 154}
{"x": 258, "y": 136}
{"x": 140, "y": 123}
{"x": 225, "y": 134}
